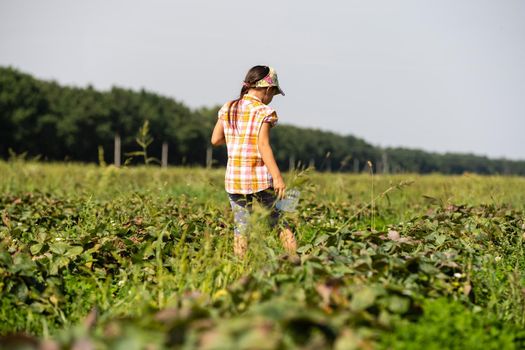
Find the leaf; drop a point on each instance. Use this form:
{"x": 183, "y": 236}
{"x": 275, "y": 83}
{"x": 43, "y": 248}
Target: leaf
{"x": 431, "y": 199}
{"x": 36, "y": 248}
{"x": 23, "y": 265}
{"x": 428, "y": 268}
{"x": 21, "y": 291}
{"x": 348, "y": 340}
{"x": 59, "y": 248}
{"x": 304, "y": 248}
{"x": 95, "y": 248}
{"x": 321, "y": 239}
{"x": 135, "y": 153}
{"x": 398, "y": 304}
{"x": 61, "y": 261}
{"x": 5, "y": 257}
{"x": 363, "y": 298}
{"x": 74, "y": 251}
{"x": 440, "y": 239}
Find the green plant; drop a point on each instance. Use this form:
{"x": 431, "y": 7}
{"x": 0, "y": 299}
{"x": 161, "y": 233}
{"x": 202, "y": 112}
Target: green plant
{"x": 144, "y": 140}
{"x": 448, "y": 324}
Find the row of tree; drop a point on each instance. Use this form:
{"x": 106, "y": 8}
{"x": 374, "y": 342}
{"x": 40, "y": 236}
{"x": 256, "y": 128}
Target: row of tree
{"x": 69, "y": 123}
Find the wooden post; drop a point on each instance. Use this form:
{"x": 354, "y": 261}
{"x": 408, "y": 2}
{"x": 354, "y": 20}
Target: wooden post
{"x": 356, "y": 165}
{"x": 209, "y": 157}
{"x": 385, "y": 163}
{"x": 291, "y": 163}
{"x": 164, "y": 154}
{"x": 116, "y": 156}
{"x": 328, "y": 162}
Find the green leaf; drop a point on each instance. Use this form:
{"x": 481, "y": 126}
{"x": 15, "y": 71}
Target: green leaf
{"x": 304, "y": 248}
{"x": 21, "y": 291}
{"x": 61, "y": 261}
{"x": 321, "y": 239}
{"x": 428, "y": 268}
{"x": 23, "y": 265}
{"x": 74, "y": 251}
{"x": 440, "y": 239}
{"x": 36, "y": 248}
{"x": 5, "y": 257}
{"x": 135, "y": 153}
{"x": 398, "y": 304}
{"x": 363, "y": 298}
{"x": 59, "y": 248}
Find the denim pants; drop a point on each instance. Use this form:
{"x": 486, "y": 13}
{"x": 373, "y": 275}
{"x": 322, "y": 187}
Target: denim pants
{"x": 242, "y": 206}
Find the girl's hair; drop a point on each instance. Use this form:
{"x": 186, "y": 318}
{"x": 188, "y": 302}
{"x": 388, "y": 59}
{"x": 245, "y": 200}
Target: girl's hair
{"x": 255, "y": 74}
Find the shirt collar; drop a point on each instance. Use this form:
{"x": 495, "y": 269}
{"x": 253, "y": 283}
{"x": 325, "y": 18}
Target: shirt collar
{"x": 251, "y": 97}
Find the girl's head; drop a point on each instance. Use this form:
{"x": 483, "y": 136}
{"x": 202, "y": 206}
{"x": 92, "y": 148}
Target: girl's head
{"x": 260, "y": 81}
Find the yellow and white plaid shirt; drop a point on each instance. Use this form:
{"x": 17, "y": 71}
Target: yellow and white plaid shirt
{"x": 246, "y": 172}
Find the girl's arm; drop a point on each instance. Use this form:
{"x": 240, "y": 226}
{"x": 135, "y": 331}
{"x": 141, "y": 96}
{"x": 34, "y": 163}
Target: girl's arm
{"x": 217, "y": 137}
{"x": 267, "y": 156}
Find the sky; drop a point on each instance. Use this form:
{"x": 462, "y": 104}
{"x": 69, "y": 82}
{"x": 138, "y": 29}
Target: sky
{"x": 442, "y": 76}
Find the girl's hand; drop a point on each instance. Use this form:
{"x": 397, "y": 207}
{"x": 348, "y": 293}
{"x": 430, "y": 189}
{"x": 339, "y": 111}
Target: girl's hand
{"x": 279, "y": 187}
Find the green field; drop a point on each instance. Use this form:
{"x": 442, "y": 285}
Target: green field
{"x": 387, "y": 262}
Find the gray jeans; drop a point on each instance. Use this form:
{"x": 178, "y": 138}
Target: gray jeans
{"x": 242, "y": 206}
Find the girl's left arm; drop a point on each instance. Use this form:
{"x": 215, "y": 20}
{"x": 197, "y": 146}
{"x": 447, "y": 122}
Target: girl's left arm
{"x": 217, "y": 137}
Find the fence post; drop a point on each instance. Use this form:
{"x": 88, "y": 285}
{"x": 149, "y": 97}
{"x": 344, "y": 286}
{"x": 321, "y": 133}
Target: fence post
{"x": 164, "y": 154}
{"x": 385, "y": 163}
{"x": 209, "y": 157}
{"x": 291, "y": 163}
{"x": 356, "y": 165}
{"x": 116, "y": 156}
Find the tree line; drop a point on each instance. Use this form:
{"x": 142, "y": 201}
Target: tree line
{"x": 65, "y": 123}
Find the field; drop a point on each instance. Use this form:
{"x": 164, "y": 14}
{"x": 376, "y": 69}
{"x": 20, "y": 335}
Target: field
{"x": 141, "y": 258}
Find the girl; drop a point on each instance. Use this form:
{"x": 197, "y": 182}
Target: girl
{"x": 252, "y": 173}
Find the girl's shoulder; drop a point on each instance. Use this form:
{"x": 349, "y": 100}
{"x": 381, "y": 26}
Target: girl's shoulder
{"x": 223, "y": 111}
{"x": 263, "y": 109}
{"x": 265, "y": 114}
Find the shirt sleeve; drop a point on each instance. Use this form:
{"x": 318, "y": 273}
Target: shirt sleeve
{"x": 223, "y": 112}
{"x": 268, "y": 115}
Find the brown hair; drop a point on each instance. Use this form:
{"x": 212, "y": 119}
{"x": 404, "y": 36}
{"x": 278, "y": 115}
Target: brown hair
{"x": 255, "y": 74}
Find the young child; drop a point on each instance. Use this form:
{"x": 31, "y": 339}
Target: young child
{"x": 252, "y": 173}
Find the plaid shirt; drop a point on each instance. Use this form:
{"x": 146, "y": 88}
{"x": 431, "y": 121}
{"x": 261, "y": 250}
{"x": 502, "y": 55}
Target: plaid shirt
{"x": 246, "y": 172}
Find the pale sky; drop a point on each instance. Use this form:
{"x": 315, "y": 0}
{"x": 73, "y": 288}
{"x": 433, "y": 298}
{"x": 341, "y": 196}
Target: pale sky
{"x": 445, "y": 75}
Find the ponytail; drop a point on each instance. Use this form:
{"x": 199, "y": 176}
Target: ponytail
{"x": 233, "y": 107}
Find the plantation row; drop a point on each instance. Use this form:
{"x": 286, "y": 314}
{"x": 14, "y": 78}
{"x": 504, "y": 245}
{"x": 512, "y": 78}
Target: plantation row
{"x": 142, "y": 258}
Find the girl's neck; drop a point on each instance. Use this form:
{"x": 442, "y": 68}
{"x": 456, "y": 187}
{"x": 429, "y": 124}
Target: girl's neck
{"x": 256, "y": 93}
